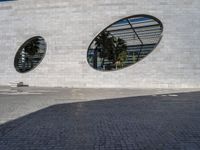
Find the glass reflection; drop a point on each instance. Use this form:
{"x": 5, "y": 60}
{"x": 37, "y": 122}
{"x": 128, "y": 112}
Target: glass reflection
{"x": 30, "y": 54}
{"x": 125, "y": 42}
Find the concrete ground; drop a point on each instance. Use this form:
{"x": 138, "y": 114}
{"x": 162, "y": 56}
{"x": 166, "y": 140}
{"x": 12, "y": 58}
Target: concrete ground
{"x": 99, "y": 119}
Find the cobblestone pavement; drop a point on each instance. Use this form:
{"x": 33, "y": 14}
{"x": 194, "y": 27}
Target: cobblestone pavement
{"x": 156, "y": 122}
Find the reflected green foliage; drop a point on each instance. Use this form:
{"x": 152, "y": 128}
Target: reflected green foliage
{"x": 134, "y": 58}
{"x": 111, "y": 48}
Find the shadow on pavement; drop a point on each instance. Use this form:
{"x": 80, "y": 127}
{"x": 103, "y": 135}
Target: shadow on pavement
{"x": 162, "y": 122}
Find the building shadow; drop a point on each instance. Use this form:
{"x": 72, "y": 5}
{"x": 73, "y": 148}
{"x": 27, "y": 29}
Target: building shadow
{"x": 161, "y": 122}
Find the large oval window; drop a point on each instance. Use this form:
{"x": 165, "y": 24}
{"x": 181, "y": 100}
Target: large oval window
{"x": 124, "y": 42}
{"x": 30, "y": 54}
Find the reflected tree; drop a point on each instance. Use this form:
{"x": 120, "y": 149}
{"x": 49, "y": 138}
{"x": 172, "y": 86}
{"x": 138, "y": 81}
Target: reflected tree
{"x": 112, "y": 48}
{"x": 31, "y": 48}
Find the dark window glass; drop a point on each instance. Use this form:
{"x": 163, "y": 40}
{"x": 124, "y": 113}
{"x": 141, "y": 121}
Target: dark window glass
{"x": 30, "y": 54}
{"x": 124, "y": 42}
{"x": 6, "y": 0}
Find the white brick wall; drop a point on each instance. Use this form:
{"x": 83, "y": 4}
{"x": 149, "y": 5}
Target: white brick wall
{"x": 69, "y": 26}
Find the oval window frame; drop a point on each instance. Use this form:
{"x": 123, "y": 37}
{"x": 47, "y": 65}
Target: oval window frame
{"x": 20, "y": 49}
{"x": 132, "y": 16}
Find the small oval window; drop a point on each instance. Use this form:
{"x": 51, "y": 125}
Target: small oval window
{"x": 30, "y": 54}
{"x": 124, "y": 42}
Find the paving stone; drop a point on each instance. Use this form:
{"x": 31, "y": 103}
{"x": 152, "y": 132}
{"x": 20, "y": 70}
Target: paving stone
{"x": 133, "y": 123}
